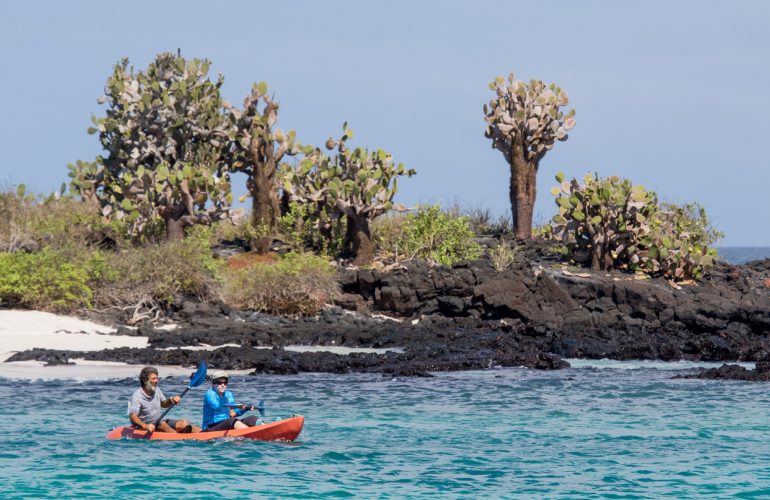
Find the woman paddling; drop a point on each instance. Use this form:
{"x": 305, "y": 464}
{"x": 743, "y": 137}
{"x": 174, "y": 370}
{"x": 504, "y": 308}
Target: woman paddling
{"x": 220, "y": 413}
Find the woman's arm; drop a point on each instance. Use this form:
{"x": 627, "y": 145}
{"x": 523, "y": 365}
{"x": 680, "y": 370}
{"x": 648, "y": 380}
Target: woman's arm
{"x": 231, "y": 401}
{"x": 211, "y": 400}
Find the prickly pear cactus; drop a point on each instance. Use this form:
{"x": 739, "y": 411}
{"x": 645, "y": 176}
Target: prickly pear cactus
{"x": 86, "y": 179}
{"x": 527, "y": 113}
{"x": 611, "y": 223}
{"x": 680, "y": 244}
{"x": 602, "y": 221}
{"x": 164, "y": 135}
{"x": 357, "y": 183}
{"x": 259, "y": 148}
{"x": 523, "y": 121}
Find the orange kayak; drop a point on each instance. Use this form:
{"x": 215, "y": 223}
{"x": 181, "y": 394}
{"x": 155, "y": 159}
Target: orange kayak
{"x": 282, "y": 430}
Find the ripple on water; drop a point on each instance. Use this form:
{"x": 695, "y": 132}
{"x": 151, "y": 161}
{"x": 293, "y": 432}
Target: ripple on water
{"x": 609, "y": 432}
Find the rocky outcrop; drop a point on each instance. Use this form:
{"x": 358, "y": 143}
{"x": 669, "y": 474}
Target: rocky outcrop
{"x": 471, "y": 316}
{"x": 590, "y": 314}
{"x": 734, "y": 372}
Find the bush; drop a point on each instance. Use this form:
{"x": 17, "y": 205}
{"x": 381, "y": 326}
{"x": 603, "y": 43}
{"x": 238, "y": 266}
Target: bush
{"x": 44, "y": 281}
{"x": 613, "y": 224}
{"x": 679, "y": 246}
{"x": 388, "y": 236}
{"x": 162, "y": 273}
{"x": 483, "y": 223}
{"x": 297, "y": 284}
{"x": 601, "y": 221}
{"x": 430, "y": 234}
{"x": 58, "y": 222}
{"x": 503, "y": 255}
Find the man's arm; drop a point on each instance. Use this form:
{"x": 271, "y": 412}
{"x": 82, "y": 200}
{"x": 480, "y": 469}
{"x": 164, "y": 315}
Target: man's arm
{"x": 173, "y": 400}
{"x": 134, "y": 418}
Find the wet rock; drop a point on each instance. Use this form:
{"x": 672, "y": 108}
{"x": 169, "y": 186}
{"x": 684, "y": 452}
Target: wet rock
{"x": 733, "y": 372}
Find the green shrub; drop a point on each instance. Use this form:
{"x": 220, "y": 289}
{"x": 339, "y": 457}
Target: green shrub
{"x": 62, "y": 223}
{"x": 307, "y": 226}
{"x": 45, "y": 281}
{"x": 679, "y": 247}
{"x": 503, "y": 255}
{"x": 602, "y": 221}
{"x": 162, "y": 273}
{"x": 297, "y": 284}
{"x": 388, "y": 236}
{"x": 431, "y": 234}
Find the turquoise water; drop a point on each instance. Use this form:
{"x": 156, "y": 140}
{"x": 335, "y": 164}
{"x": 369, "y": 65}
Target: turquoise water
{"x": 624, "y": 431}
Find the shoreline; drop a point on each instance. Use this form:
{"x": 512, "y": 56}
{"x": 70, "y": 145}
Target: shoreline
{"x": 418, "y": 319}
{"x": 23, "y": 330}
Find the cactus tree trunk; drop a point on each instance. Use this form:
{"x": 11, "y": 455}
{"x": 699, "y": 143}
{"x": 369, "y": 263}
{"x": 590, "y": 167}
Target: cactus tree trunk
{"x": 523, "y": 190}
{"x": 359, "y": 241}
{"x": 601, "y": 258}
{"x": 174, "y": 223}
{"x": 265, "y": 205}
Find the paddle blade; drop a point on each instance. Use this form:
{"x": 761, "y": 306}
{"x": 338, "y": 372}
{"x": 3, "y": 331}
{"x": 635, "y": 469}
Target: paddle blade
{"x": 261, "y": 407}
{"x": 199, "y": 376}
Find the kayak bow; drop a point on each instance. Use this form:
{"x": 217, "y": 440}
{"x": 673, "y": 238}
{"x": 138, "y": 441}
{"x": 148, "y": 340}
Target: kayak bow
{"x": 282, "y": 430}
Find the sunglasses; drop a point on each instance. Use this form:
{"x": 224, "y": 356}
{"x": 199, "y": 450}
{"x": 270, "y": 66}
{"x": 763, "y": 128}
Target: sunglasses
{"x": 220, "y": 382}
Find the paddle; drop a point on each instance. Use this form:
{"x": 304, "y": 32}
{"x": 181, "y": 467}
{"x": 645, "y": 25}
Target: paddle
{"x": 260, "y": 406}
{"x": 196, "y": 380}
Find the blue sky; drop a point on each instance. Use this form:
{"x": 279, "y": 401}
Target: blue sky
{"x": 673, "y": 95}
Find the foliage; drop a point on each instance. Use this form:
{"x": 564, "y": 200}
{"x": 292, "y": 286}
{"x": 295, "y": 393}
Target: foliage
{"x": 258, "y": 149}
{"x": 162, "y": 273}
{"x": 58, "y": 222}
{"x": 388, "y": 236}
{"x": 484, "y": 223}
{"x": 431, "y": 234}
{"x": 680, "y": 243}
{"x": 298, "y": 227}
{"x": 299, "y": 284}
{"x": 45, "y": 281}
{"x": 502, "y": 255}
{"x": 527, "y": 112}
{"x": 523, "y": 122}
{"x": 614, "y": 224}
{"x": 359, "y": 184}
{"x": 602, "y": 221}
{"x": 164, "y": 136}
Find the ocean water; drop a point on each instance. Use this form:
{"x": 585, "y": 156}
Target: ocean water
{"x": 741, "y": 255}
{"x": 601, "y": 430}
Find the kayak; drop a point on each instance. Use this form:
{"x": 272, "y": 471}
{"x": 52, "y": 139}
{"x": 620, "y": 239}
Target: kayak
{"x": 282, "y": 430}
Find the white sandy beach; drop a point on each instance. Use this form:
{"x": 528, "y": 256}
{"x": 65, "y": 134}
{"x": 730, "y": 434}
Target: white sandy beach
{"x": 23, "y": 330}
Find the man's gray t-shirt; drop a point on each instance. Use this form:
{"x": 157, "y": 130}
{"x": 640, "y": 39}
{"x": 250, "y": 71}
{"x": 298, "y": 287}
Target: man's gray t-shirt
{"x": 147, "y": 408}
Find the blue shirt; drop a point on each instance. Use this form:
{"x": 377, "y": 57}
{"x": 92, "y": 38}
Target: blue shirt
{"x": 216, "y": 408}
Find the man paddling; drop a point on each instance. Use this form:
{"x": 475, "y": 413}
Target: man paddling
{"x": 144, "y": 407}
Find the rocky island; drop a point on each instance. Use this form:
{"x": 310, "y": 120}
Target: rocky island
{"x": 418, "y": 319}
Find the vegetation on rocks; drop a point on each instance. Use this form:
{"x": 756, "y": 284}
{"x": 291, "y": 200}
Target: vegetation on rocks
{"x": 137, "y": 229}
{"x": 297, "y": 284}
{"x": 443, "y": 237}
{"x": 357, "y": 184}
{"x": 612, "y": 224}
{"x": 259, "y": 147}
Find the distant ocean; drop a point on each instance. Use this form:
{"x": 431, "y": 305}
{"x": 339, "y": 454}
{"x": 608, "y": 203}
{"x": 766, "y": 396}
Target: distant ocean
{"x": 741, "y": 255}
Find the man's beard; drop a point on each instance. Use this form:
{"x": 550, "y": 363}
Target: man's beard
{"x": 150, "y": 388}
